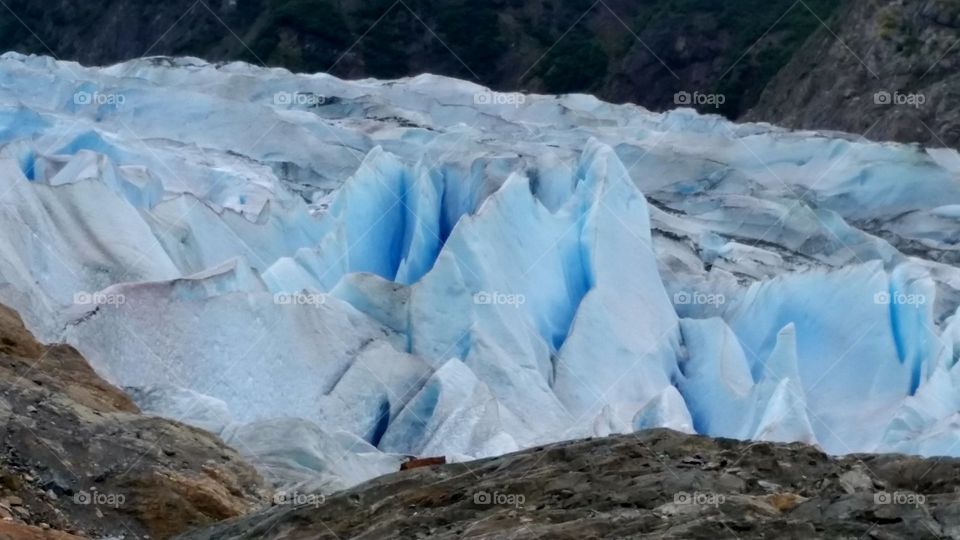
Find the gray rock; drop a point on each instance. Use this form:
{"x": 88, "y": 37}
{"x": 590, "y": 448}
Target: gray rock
{"x": 856, "y": 481}
{"x": 888, "y": 70}
{"x": 635, "y": 486}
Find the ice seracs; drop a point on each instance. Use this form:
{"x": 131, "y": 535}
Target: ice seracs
{"x": 399, "y": 268}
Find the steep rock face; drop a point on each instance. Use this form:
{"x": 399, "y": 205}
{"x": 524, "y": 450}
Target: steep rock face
{"x": 655, "y": 483}
{"x": 888, "y": 70}
{"x": 77, "y": 457}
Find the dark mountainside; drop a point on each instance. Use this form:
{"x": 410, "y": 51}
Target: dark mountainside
{"x": 815, "y": 64}
{"x": 902, "y": 84}
{"x": 621, "y": 50}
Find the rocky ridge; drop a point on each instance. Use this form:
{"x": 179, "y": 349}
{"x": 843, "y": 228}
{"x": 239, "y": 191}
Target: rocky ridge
{"x": 655, "y": 483}
{"x": 77, "y": 457}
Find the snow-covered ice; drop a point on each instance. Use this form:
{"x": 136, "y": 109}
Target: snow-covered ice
{"x": 334, "y": 274}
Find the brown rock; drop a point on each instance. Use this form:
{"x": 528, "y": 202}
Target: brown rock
{"x": 19, "y": 531}
{"x": 785, "y": 502}
{"x": 85, "y": 459}
{"x": 415, "y": 463}
{"x": 58, "y": 368}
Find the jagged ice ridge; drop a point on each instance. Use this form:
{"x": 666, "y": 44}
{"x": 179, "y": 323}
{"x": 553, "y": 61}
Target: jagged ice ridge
{"x": 332, "y": 274}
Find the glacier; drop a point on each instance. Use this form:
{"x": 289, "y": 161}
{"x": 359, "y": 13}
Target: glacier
{"x": 332, "y": 275}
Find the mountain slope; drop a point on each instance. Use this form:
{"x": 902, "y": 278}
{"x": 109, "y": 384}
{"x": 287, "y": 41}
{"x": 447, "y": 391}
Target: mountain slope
{"x": 889, "y": 70}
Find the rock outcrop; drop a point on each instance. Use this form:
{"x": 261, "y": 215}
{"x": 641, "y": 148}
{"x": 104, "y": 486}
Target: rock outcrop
{"x": 888, "y": 70}
{"x": 77, "y": 457}
{"x": 656, "y": 484}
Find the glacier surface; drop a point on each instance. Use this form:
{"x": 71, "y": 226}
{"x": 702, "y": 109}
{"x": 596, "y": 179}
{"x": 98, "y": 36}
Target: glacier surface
{"x": 334, "y": 274}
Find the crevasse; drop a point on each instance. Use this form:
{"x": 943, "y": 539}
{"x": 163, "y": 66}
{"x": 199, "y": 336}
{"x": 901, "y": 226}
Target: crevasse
{"x": 329, "y": 288}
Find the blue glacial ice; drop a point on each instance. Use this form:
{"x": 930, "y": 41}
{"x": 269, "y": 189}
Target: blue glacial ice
{"x": 334, "y": 274}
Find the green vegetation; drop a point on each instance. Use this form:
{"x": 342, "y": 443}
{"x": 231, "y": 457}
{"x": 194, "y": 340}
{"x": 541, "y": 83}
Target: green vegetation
{"x": 889, "y": 22}
{"x": 302, "y": 35}
{"x": 471, "y": 29}
{"x": 576, "y": 64}
{"x": 759, "y": 37}
{"x": 314, "y": 17}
